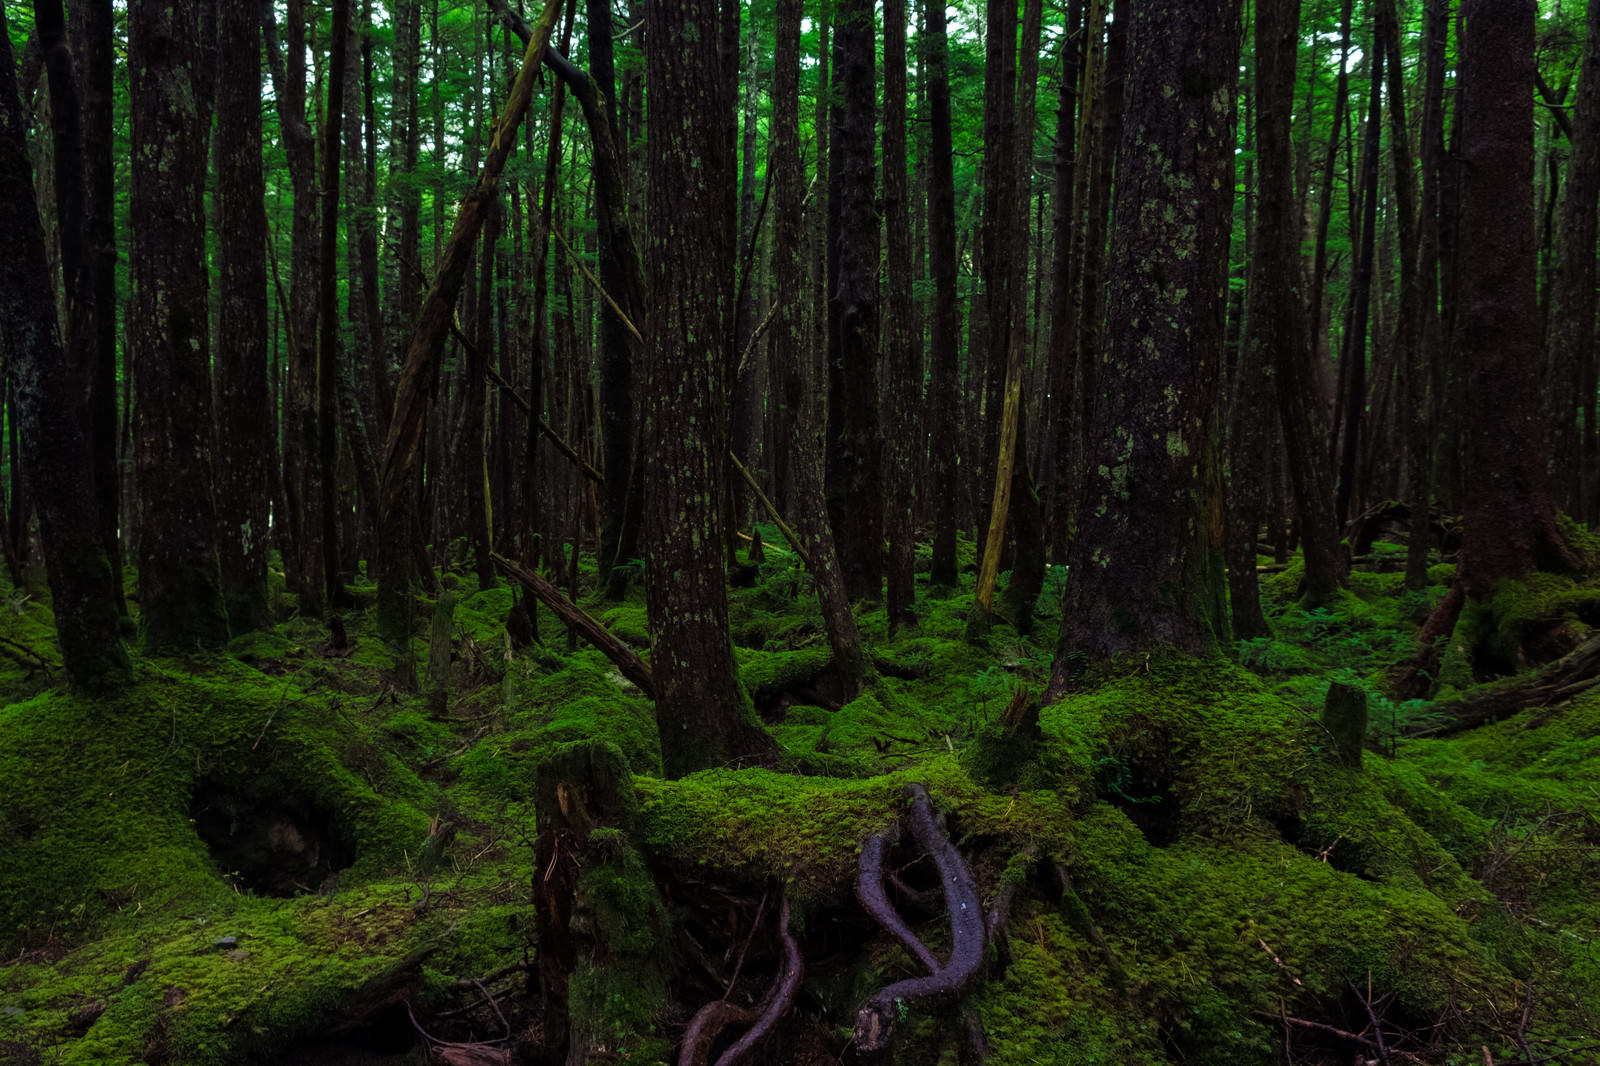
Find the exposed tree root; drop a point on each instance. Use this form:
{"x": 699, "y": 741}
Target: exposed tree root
{"x": 711, "y": 1019}
{"x": 875, "y": 900}
{"x": 877, "y": 1018}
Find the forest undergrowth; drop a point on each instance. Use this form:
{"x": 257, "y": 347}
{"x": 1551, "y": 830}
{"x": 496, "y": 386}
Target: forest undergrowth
{"x": 275, "y": 855}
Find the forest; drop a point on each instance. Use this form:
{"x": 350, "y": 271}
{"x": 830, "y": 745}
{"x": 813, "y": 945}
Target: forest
{"x": 692, "y": 532}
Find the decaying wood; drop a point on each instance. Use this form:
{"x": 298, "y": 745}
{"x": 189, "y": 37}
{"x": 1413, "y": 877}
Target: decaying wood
{"x": 1574, "y": 673}
{"x": 983, "y": 599}
{"x": 633, "y": 668}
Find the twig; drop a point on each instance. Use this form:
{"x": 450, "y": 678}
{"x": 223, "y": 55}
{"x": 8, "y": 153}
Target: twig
{"x": 779, "y": 998}
{"x": 29, "y": 654}
{"x": 621, "y": 315}
{"x": 1372, "y": 1015}
{"x": 738, "y": 964}
{"x": 772, "y": 509}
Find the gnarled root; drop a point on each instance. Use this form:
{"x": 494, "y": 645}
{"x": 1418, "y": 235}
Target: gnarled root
{"x": 875, "y": 1021}
{"x": 717, "y": 1015}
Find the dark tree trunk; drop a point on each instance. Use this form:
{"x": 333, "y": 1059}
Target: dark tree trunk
{"x": 1319, "y": 261}
{"x": 1354, "y": 396}
{"x": 404, "y": 207}
{"x": 791, "y": 356}
{"x": 328, "y": 354}
{"x": 904, "y": 367}
{"x": 245, "y": 451}
{"x": 49, "y": 403}
{"x": 1430, "y": 358}
{"x": 1569, "y": 342}
{"x": 302, "y": 554}
{"x": 616, "y": 358}
{"x": 703, "y": 712}
{"x": 1147, "y": 565}
{"x": 180, "y": 594}
{"x": 945, "y": 384}
{"x": 1062, "y": 427}
{"x": 93, "y": 39}
{"x": 1294, "y": 352}
{"x": 854, "y": 485}
{"x": 1509, "y": 514}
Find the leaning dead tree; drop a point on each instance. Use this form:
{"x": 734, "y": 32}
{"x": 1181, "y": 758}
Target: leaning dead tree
{"x": 945, "y": 982}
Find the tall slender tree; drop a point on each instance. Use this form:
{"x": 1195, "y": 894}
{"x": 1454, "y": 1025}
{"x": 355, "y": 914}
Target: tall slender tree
{"x": 945, "y": 369}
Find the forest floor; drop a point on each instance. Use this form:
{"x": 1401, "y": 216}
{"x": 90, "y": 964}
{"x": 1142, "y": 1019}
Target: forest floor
{"x": 272, "y": 855}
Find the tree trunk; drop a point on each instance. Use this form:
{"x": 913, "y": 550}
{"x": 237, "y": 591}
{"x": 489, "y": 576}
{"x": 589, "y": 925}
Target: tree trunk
{"x": 702, "y": 710}
{"x": 49, "y": 403}
{"x": 246, "y": 451}
{"x": 854, "y": 486}
{"x": 1147, "y": 566}
{"x": 1062, "y": 426}
{"x": 180, "y": 593}
{"x": 904, "y": 368}
{"x": 93, "y": 40}
{"x": 945, "y": 384}
{"x": 1569, "y": 341}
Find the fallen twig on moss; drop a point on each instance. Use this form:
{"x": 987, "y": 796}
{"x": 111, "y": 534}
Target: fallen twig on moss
{"x": 632, "y": 667}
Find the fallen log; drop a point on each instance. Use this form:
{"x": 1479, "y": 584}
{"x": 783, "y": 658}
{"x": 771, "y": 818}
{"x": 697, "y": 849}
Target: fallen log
{"x": 1568, "y": 676}
{"x": 632, "y": 667}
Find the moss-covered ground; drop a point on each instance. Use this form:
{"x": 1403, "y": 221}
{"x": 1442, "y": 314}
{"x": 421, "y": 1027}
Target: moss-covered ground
{"x": 272, "y": 855}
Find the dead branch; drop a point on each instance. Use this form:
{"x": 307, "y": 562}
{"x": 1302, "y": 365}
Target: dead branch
{"x": 544, "y": 427}
{"x": 772, "y": 509}
{"x": 633, "y": 668}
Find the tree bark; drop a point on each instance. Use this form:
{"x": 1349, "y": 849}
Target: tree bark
{"x": 704, "y": 714}
{"x": 945, "y": 383}
{"x": 50, "y": 402}
{"x": 180, "y": 593}
{"x": 903, "y": 366}
{"x": 854, "y": 455}
{"x": 1147, "y": 566}
{"x": 1569, "y": 340}
{"x": 246, "y": 450}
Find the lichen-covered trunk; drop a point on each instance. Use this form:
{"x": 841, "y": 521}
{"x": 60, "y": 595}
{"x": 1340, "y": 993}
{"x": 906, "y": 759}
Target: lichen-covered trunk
{"x": 247, "y": 448}
{"x": 1147, "y": 567}
{"x": 50, "y": 407}
{"x": 854, "y": 484}
{"x": 702, "y": 710}
{"x": 180, "y": 587}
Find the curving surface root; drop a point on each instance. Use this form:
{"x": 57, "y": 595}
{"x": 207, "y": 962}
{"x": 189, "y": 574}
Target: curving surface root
{"x": 711, "y": 1019}
{"x": 875, "y": 1021}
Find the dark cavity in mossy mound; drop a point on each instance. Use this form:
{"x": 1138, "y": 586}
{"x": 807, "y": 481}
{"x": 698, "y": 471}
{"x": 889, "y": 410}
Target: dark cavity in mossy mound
{"x": 387, "y": 1038}
{"x": 268, "y": 841}
{"x": 1142, "y": 789}
{"x": 1333, "y": 848}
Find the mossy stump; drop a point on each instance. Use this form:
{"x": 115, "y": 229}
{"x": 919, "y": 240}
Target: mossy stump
{"x": 1344, "y": 716}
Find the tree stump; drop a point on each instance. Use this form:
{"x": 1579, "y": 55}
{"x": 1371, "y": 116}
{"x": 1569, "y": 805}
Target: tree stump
{"x": 1344, "y": 716}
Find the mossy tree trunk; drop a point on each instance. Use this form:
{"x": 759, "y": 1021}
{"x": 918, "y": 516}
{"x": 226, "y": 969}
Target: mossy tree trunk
{"x": 1147, "y": 565}
{"x": 179, "y": 582}
{"x": 50, "y": 404}
{"x": 705, "y": 716}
